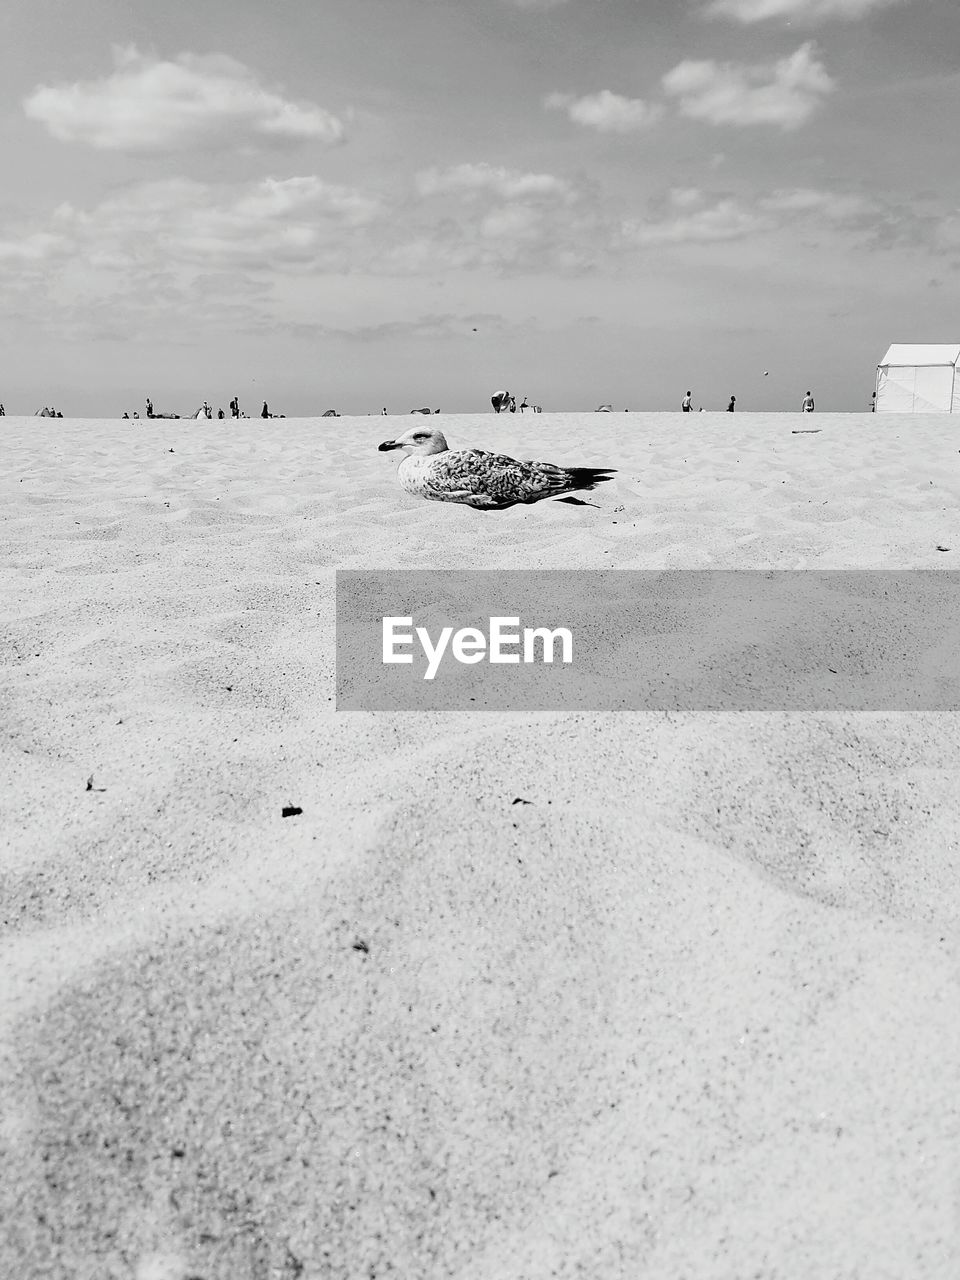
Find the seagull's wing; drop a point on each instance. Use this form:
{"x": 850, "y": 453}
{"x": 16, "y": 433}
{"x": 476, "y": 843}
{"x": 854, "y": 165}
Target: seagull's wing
{"x": 493, "y": 479}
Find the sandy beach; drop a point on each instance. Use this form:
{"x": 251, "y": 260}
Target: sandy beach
{"x": 689, "y": 1014}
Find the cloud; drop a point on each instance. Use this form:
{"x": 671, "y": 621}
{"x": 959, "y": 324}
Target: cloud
{"x": 177, "y": 227}
{"x": 947, "y": 233}
{"x": 748, "y": 11}
{"x": 606, "y": 112}
{"x": 685, "y": 197}
{"x": 689, "y": 216}
{"x": 830, "y": 205}
{"x": 784, "y": 93}
{"x": 508, "y": 184}
{"x": 37, "y": 247}
{"x": 195, "y": 101}
{"x": 178, "y": 257}
{"x": 480, "y": 217}
{"x": 512, "y": 222}
{"x": 182, "y": 257}
{"x": 726, "y": 219}
{"x": 155, "y": 242}
{"x": 507, "y": 239}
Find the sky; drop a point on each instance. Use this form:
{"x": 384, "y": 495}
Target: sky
{"x": 352, "y": 204}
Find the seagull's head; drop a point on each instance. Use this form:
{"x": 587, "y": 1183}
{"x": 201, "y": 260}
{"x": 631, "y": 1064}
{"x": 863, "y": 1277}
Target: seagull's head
{"x": 418, "y": 440}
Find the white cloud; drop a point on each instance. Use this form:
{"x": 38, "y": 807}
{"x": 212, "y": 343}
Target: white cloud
{"x": 194, "y": 101}
{"x": 747, "y": 11}
{"x": 269, "y": 224}
{"x": 158, "y": 248}
{"x": 829, "y": 205}
{"x": 179, "y": 257}
{"x": 512, "y": 222}
{"x": 37, "y": 247}
{"x": 947, "y": 233}
{"x": 606, "y": 112}
{"x": 685, "y": 197}
{"x": 508, "y": 184}
{"x": 784, "y": 93}
{"x": 725, "y": 220}
{"x": 689, "y": 216}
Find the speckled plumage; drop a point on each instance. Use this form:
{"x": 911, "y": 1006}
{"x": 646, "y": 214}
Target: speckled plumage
{"x": 481, "y": 479}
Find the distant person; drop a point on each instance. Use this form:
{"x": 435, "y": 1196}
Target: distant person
{"x": 873, "y": 404}
{"x": 383, "y": 412}
{"x": 221, "y": 414}
{"x": 732, "y": 405}
{"x": 264, "y": 412}
{"x": 126, "y": 415}
{"x": 136, "y": 415}
{"x": 3, "y": 412}
{"x": 149, "y": 407}
{"x": 807, "y": 406}
{"x": 687, "y": 405}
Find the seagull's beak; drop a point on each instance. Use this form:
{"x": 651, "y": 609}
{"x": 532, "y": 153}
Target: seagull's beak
{"x": 389, "y": 444}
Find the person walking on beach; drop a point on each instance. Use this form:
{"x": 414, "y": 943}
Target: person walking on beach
{"x": 731, "y": 407}
{"x": 807, "y": 406}
{"x": 264, "y": 412}
{"x": 234, "y": 408}
{"x": 149, "y": 407}
{"x": 687, "y": 405}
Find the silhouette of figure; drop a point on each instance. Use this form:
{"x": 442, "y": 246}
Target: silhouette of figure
{"x": 807, "y": 406}
{"x": 264, "y": 412}
{"x": 149, "y": 407}
{"x": 732, "y": 405}
{"x": 687, "y": 405}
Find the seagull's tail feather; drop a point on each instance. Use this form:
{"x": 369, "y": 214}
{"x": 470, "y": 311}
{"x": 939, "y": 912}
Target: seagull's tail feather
{"x": 587, "y": 477}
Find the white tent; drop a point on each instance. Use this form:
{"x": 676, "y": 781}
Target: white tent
{"x": 919, "y": 378}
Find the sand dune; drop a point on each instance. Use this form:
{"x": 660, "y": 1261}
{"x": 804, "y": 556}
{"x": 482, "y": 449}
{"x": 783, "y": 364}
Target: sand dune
{"x": 691, "y": 1012}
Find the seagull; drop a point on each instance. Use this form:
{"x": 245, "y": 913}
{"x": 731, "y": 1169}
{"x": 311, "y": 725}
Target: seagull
{"x": 487, "y": 481}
